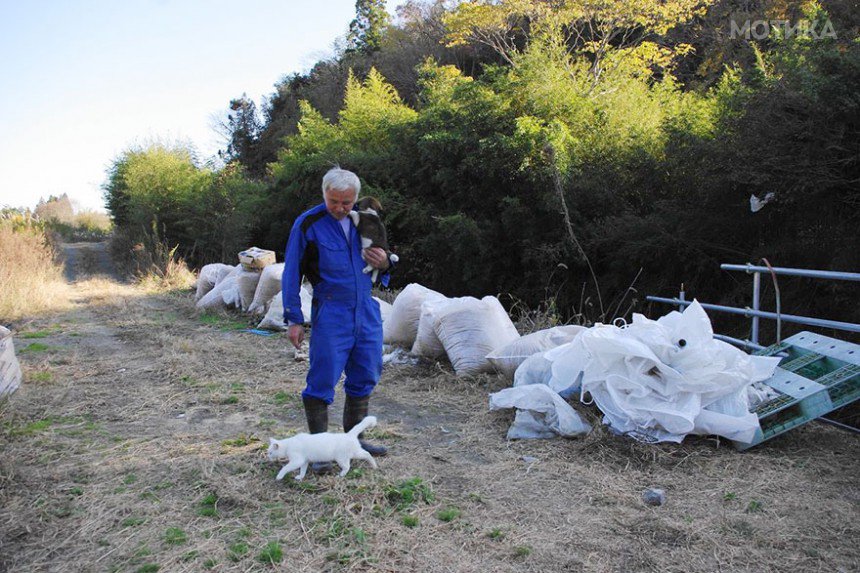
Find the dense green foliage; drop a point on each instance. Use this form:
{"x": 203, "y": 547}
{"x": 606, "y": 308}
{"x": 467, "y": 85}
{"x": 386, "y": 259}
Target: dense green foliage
{"x": 556, "y": 166}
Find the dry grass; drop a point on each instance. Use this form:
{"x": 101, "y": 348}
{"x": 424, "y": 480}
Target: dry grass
{"x": 138, "y": 438}
{"x": 31, "y": 283}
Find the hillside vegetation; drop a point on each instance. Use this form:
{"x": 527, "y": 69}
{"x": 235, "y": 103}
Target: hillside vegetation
{"x": 554, "y": 151}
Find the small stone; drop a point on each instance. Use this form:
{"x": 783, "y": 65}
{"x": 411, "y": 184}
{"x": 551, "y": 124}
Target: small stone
{"x": 654, "y": 497}
{"x": 529, "y": 459}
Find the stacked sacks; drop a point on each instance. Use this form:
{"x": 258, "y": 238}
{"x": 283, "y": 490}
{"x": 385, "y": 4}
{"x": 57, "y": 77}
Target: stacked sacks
{"x": 465, "y": 329}
{"x": 224, "y": 290}
{"x": 469, "y": 329}
{"x": 274, "y": 319}
{"x": 210, "y": 275}
{"x": 402, "y": 326}
{"x": 268, "y": 286}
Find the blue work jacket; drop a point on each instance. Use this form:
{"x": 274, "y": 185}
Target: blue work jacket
{"x": 319, "y": 250}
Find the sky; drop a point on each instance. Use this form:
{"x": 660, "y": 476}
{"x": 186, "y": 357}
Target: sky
{"x": 83, "y": 80}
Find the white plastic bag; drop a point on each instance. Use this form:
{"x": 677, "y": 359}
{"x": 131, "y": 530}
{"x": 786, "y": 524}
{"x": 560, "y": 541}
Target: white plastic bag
{"x": 541, "y": 413}
{"x": 10, "y": 369}
{"x": 427, "y": 343}
{"x": 402, "y": 326}
{"x": 268, "y": 286}
{"x": 274, "y": 319}
{"x": 509, "y": 357}
{"x": 469, "y": 329}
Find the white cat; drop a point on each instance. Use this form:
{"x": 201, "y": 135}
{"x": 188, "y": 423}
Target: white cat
{"x": 303, "y": 449}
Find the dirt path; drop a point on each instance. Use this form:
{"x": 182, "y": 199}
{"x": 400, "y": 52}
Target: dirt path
{"x": 87, "y": 260}
{"x": 137, "y": 441}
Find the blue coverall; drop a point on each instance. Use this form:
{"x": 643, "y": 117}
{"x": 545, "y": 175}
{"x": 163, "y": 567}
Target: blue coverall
{"x": 346, "y": 325}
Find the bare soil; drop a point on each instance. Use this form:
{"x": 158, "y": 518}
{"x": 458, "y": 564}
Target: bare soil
{"x": 137, "y": 441}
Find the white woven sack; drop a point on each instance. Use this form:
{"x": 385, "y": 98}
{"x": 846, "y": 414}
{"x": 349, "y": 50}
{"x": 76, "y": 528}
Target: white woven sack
{"x": 274, "y": 319}
{"x": 226, "y": 271}
{"x": 10, "y": 370}
{"x": 215, "y": 297}
{"x": 208, "y": 278}
{"x": 427, "y": 343}
{"x": 402, "y": 326}
{"x": 384, "y": 309}
{"x": 246, "y": 282}
{"x": 469, "y": 329}
{"x": 508, "y": 358}
{"x": 269, "y": 286}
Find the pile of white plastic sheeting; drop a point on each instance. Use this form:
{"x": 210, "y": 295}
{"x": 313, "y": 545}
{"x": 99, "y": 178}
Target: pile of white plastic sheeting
{"x": 10, "y": 370}
{"x": 541, "y": 413}
{"x": 661, "y": 380}
{"x": 508, "y": 358}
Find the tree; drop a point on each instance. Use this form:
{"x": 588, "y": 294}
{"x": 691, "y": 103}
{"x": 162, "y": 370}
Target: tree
{"x": 368, "y": 27}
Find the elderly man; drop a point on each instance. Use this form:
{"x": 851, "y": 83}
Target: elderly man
{"x": 325, "y": 248}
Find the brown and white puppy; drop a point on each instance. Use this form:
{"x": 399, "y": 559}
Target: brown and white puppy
{"x": 366, "y": 219}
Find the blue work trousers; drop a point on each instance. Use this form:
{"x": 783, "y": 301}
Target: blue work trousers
{"x": 346, "y": 337}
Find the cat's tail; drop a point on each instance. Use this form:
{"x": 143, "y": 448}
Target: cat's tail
{"x": 367, "y": 422}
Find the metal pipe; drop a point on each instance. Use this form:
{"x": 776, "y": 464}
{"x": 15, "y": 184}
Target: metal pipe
{"x": 809, "y": 273}
{"x": 682, "y": 296}
{"x": 755, "y": 303}
{"x": 819, "y": 322}
{"x": 839, "y": 425}
{"x": 739, "y": 342}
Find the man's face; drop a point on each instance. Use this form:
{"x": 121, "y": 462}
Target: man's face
{"x": 338, "y": 202}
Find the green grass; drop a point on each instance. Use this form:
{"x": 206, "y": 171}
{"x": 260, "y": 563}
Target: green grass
{"x": 271, "y": 553}
{"x": 36, "y": 347}
{"x": 730, "y": 496}
{"x": 409, "y": 492}
{"x": 283, "y": 398}
{"x": 522, "y": 551}
{"x": 233, "y": 399}
{"x": 39, "y": 334}
{"x": 448, "y": 514}
{"x": 240, "y": 441}
{"x": 209, "y": 564}
{"x": 496, "y": 534}
{"x": 42, "y": 377}
{"x": 754, "y": 506}
{"x": 237, "y": 551}
{"x": 133, "y": 521}
{"x": 175, "y": 536}
{"x": 223, "y": 323}
{"x": 129, "y": 479}
{"x": 409, "y": 521}
{"x": 208, "y": 506}
{"x": 148, "y": 568}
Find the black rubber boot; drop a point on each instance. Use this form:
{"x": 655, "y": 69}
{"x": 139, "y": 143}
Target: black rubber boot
{"x": 316, "y": 411}
{"x": 354, "y": 411}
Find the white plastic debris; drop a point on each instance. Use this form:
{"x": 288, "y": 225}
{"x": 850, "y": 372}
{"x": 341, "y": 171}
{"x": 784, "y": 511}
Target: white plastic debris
{"x": 541, "y": 413}
{"x": 399, "y": 356}
{"x": 664, "y": 379}
{"x": 509, "y": 357}
{"x": 10, "y": 369}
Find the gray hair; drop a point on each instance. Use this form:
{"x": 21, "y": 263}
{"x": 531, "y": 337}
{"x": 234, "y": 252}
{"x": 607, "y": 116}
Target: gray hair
{"x": 341, "y": 180}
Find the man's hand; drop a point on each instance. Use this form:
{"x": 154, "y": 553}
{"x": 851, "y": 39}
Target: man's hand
{"x": 376, "y": 258}
{"x": 297, "y": 335}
